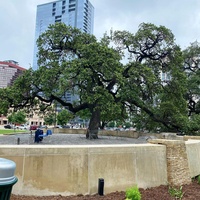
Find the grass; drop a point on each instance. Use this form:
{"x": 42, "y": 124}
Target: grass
{"x": 12, "y": 131}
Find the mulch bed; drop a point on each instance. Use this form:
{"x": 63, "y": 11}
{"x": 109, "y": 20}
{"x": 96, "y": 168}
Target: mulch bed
{"x": 190, "y": 192}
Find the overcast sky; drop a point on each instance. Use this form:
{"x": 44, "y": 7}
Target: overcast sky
{"x": 17, "y": 22}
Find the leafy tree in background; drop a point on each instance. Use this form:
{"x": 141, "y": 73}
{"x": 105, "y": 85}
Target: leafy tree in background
{"x": 64, "y": 116}
{"x": 111, "y": 124}
{"x": 50, "y": 119}
{"x": 17, "y": 117}
{"x": 113, "y": 111}
{"x": 127, "y": 125}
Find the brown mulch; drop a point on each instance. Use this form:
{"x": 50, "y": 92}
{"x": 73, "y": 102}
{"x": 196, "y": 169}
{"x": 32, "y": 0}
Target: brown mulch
{"x": 190, "y": 192}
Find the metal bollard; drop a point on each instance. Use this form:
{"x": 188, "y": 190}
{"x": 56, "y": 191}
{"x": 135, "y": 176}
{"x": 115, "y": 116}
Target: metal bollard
{"x": 18, "y": 140}
{"x": 101, "y": 186}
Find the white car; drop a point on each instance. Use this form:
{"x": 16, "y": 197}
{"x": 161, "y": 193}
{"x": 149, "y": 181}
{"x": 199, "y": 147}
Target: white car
{"x": 21, "y": 127}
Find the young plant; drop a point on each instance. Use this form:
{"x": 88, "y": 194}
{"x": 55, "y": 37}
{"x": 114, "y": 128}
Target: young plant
{"x": 176, "y": 192}
{"x": 198, "y": 179}
{"x": 133, "y": 193}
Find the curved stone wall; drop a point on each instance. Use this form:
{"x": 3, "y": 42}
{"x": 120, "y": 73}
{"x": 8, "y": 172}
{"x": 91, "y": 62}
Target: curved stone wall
{"x": 66, "y": 170}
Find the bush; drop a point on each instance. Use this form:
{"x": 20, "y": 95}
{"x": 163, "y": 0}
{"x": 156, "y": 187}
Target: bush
{"x": 198, "y": 179}
{"x": 133, "y": 193}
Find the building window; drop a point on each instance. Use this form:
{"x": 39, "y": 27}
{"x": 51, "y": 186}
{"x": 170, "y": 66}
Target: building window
{"x": 72, "y": 1}
{"x": 73, "y": 5}
{"x": 85, "y": 28}
{"x": 57, "y": 17}
{"x": 54, "y": 4}
{"x": 72, "y": 9}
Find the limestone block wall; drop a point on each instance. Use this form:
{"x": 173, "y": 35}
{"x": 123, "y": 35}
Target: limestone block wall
{"x": 65, "y": 170}
{"x": 178, "y": 172}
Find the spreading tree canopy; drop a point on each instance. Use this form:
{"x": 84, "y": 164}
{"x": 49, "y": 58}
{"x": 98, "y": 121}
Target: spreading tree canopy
{"x": 151, "y": 53}
{"x": 118, "y": 77}
{"x": 192, "y": 70}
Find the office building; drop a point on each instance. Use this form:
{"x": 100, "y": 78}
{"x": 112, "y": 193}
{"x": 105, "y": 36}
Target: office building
{"x": 9, "y": 71}
{"x": 75, "y": 13}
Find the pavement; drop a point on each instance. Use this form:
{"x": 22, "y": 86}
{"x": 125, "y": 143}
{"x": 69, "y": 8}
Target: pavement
{"x": 67, "y": 139}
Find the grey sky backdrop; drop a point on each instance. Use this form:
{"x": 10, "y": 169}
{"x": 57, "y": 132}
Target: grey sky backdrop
{"x": 17, "y": 22}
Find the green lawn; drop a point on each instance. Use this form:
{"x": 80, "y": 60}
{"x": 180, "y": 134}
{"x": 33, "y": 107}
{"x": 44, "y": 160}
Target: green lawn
{"x": 12, "y": 131}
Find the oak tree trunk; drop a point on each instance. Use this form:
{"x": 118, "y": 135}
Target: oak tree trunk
{"x": 92, "y": 132}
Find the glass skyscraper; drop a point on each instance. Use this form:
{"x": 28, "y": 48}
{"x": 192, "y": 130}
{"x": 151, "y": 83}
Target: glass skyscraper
{"x": 75, "y": 13}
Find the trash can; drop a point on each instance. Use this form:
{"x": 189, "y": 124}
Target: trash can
{"x": 7, "y": 178}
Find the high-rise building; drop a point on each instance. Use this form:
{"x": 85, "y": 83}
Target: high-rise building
{"x": 75, "y": 13}
{"x": 9, "y": 71}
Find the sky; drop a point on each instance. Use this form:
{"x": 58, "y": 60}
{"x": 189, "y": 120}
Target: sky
{"x": 18, "y": 17}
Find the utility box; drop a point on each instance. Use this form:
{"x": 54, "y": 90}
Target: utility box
{"x": 7, "y": 178}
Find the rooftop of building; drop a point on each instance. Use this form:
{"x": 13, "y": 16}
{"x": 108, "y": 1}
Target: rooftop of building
{"x": 12, "y": 63}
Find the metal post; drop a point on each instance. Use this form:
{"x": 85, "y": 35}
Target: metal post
{"x": 18, "y": 140}
{"x": 101, "y": 186}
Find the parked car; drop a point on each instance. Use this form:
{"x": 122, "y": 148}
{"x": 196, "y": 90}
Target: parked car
{"x": 21, "y": 127}
{"x": 58, "y": 126}
{"x": 8, "y": 126}
{"x": 42, "y": 126}
{"x": 65, "y": 126}
{"x": 33, "y": 127}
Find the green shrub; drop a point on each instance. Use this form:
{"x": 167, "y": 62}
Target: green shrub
{"x": 176, "y": 192}
{"x": 133, "y": 193}
{"x": 198, "y": 179}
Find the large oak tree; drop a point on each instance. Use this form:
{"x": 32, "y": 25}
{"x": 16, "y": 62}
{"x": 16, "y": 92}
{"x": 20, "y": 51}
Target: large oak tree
{"x": 119, "y": 75}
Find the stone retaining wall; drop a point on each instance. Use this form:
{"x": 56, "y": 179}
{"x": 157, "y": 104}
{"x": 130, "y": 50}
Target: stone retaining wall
{"x": 130, "y": 134}
{"x": 66, "y": 170}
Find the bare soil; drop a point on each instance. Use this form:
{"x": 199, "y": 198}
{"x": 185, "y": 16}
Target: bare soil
{"x": 190, "y": 192}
